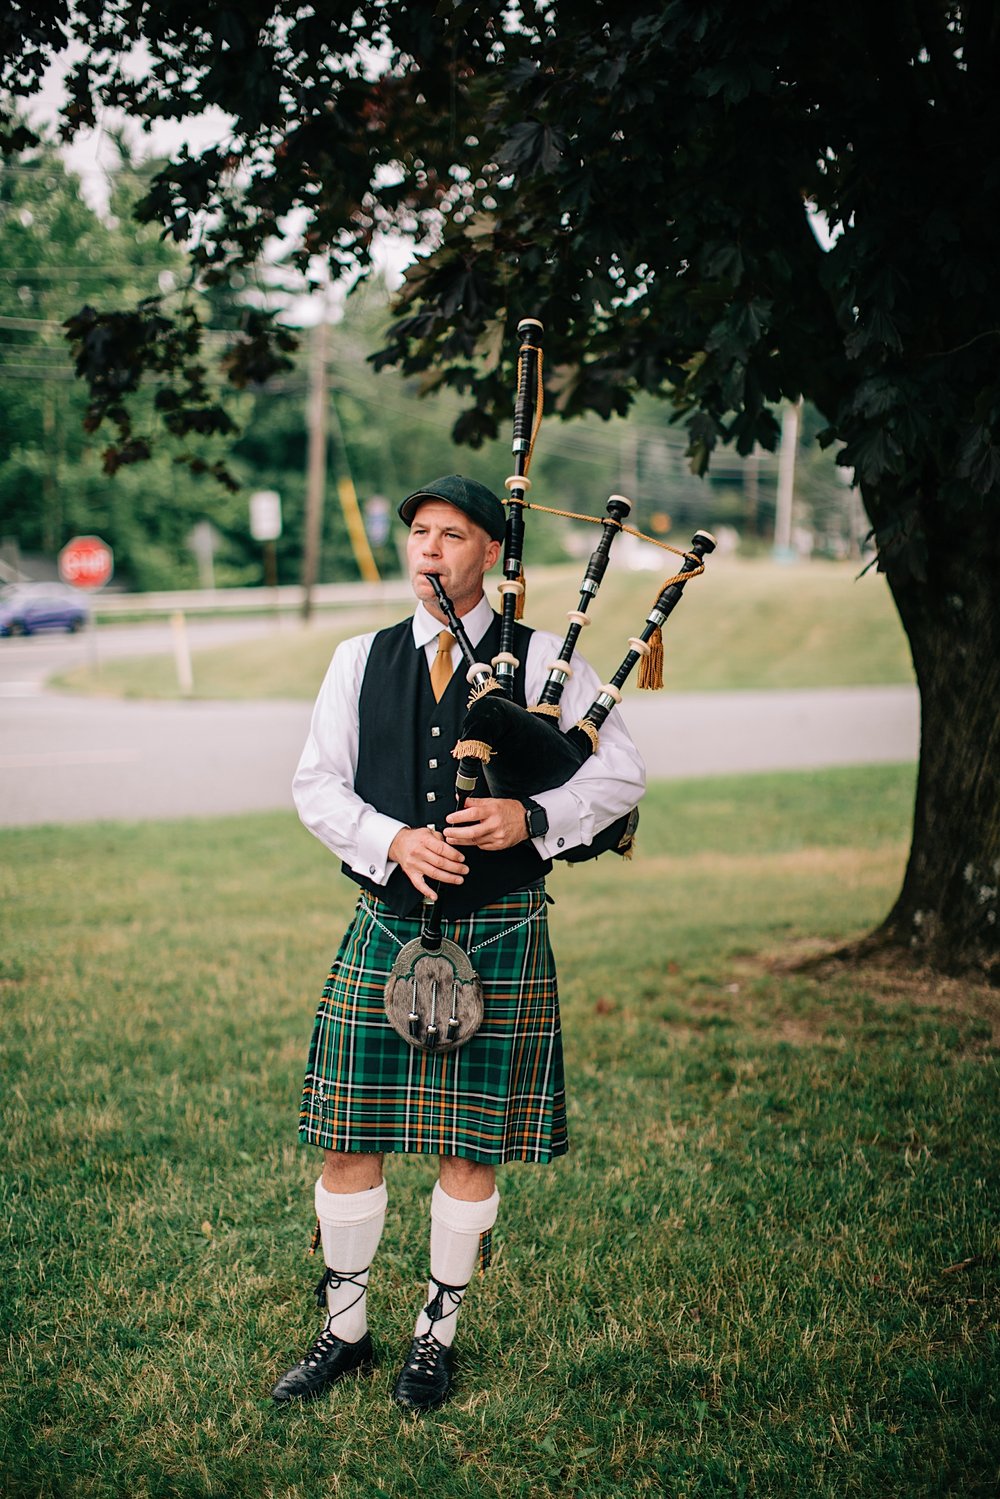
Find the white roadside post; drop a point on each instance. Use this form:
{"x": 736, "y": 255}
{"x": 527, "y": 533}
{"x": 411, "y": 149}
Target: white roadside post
{"x": 182, "y": 653}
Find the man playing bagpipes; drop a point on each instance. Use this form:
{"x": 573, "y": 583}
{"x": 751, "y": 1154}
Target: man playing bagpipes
{"x": 376, "y": 784}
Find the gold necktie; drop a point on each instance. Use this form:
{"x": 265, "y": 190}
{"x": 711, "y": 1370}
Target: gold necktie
{"x": 441, "y": 670}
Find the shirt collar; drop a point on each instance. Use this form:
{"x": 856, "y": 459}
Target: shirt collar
{"x": 426, "y": 628}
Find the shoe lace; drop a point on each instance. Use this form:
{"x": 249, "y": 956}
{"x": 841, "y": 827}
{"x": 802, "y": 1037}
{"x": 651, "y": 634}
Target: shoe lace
{"x": 323, "y": 1345}
{"x": 337, "y": 1278}
{"x": 328, "y": 1339}
{"x": 425, "y": 1354}
{"x": 435, "y": 1310}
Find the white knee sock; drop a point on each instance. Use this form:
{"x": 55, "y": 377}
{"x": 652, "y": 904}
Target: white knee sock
{"x": 455, "y": 1230}
{"x": 350, "y": 1225}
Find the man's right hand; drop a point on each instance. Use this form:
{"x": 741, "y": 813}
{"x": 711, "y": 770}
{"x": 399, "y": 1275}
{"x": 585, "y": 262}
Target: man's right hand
{"x": 423, "y": 855}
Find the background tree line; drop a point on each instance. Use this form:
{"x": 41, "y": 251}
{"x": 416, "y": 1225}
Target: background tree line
{"x": 58, "y": 253}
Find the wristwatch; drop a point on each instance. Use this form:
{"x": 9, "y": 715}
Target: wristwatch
{"x": 537, "y": 819}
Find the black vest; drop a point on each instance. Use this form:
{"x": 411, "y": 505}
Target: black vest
{"x": 406, "y": 769}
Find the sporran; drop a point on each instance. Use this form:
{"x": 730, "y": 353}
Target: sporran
{"x": 434, "y": 999}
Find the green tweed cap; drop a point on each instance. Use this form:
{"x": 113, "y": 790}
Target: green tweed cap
{"x": 468, "y": 495}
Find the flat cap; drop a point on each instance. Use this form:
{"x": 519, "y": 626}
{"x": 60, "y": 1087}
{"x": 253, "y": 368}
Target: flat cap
{"x": 468, "y": 495}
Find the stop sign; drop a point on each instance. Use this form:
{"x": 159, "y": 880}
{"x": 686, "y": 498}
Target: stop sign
{"x": 86, "y": 562}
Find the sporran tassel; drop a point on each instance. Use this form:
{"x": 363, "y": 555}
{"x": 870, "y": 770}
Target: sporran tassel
{"x": 650, "y": 673}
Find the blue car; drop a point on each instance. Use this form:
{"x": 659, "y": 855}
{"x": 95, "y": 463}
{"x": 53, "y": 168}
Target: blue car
{"x": 28, "y": 607}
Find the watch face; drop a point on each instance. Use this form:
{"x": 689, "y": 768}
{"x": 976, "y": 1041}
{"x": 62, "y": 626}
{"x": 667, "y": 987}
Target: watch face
{"x": 538, "y": 822}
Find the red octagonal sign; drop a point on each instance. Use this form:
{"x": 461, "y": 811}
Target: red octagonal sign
{"x": 86, "y": 562}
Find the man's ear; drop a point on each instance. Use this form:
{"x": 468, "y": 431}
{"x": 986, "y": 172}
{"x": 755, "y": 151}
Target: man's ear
{"x": 492, "y": 553}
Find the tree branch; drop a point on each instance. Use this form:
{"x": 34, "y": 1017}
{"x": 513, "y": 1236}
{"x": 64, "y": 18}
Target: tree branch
{"x": 947, "y": 353}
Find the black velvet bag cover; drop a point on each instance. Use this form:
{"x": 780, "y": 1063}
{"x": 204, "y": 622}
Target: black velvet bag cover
{"x": 530, "y": 753}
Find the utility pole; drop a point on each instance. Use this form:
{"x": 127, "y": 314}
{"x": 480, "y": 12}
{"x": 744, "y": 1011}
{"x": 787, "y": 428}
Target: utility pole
{"x": 316, "y": 470}
{"x": 751, "y": 490}
{"x": 786, "y": 481}
{"x": 628, "y": 464}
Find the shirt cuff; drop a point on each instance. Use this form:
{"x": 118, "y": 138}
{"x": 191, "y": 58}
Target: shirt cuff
{"x": 374, "y": 839}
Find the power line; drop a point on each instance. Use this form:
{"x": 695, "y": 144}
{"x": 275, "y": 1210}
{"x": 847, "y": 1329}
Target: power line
{"x": 214, "y": 336}
{"x": 29, "y": 324}
{"x": 30, "y": 372}
{"x": 576, "y": 445}
{"x": 91, "y": 269}
{"x": 29, "y": 169}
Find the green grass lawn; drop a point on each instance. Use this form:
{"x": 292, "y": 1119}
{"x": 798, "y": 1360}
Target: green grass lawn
{"x": 767, "y": 1267}
{"x": 741, "y": 624}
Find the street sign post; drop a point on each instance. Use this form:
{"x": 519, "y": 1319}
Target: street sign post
{"x": 86, "y": 562}
{"x": 265, "y": 515}
{"x": 265, "y": 527}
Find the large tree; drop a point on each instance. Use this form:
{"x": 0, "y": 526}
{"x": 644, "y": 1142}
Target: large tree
{"x": 728, "y": 206}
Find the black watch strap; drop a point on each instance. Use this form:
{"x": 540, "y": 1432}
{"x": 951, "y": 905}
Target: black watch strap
{"x": 537, "y": 819}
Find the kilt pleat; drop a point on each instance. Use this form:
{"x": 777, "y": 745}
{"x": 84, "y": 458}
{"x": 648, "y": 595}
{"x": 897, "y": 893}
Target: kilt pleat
{"x": 501, "y": 1097}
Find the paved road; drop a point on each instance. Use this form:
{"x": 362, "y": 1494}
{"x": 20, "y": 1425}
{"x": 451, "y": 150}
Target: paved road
{"x": 70, "y": 759}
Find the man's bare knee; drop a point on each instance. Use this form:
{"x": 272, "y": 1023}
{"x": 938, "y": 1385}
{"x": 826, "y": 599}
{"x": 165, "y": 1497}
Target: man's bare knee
{"x": 467, "y": 1181}
{"x": 351, "y": 1171}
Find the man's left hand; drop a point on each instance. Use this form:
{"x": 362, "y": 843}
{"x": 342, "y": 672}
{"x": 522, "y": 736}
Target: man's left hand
{"x": 488, "y": 822}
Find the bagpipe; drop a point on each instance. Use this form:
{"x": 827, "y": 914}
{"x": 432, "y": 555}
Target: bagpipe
{"x": 433, "y": 996}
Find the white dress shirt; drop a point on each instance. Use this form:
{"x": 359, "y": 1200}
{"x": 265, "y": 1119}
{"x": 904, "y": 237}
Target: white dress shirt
{"x": 606, "y": 786}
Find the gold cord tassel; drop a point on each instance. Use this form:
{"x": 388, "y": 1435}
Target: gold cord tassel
{"x": 522, "y": 596}
{"x": 650, "y": 677}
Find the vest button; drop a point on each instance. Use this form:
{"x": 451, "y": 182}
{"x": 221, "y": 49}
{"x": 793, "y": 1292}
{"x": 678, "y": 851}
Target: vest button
{"x": 432, "y": 796}
{"x": 435, "y": 732}
{"x": 432, "y": 765}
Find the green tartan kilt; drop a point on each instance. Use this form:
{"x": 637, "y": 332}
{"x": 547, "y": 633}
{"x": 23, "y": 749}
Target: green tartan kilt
{"x": 498, "y": 1098}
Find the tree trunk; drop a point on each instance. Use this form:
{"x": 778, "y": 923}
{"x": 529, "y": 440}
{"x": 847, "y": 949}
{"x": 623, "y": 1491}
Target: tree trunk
{"x": 947, "y": 914}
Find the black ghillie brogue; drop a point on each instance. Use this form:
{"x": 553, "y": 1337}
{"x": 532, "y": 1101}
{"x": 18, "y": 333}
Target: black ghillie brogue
{"x": 328, "y": 1360}
{"x": 424, "y": 1381}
